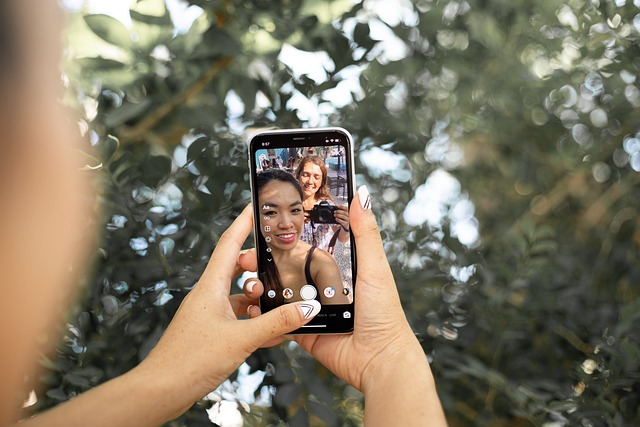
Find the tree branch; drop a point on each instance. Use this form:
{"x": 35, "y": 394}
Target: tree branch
{"x": 149, "y": 122}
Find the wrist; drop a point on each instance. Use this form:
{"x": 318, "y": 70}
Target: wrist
{"x": 140, "y": 397}
{"x": 402, "y": 391}
{"x": 401, "y": 361}
{"x": 172, "y": 396}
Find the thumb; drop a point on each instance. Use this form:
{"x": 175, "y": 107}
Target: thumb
{"x": 369, "y": 249}
{"x": 282, "y": 320}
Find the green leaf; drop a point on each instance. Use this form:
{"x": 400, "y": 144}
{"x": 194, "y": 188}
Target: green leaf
{"x": 283, "y": 374}
{"x": 520, "y": 243}
{"x": 631, "y": 353}
{"x": 217, "y": 41}
{"x": 286, "y": 394}
{"x": 110, "y": 30}
{"x": 186, "y": 43}
{"x": 197, "y": 149}
{"x": 543, "y": 247}
{"x": 309, "y": 23}
{"x": 109, "y": 148}
{"x": 78, "y": 380}
{"x": 155, "y": 169}
{"x": 124, "y": 113}
{"x": 162, "y": 20}
{"x": 629, "y": 317}
{"x": 57, "y": 394}
{"x": 486, "y": 30}
{"x": 323, "y": 412}
{"x": 100, "y": 64}
{"x": 121, "y": 162}
{"x": 361, "y": 35}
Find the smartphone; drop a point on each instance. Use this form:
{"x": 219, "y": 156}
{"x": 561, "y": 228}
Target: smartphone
{"x": 302, "y": 184}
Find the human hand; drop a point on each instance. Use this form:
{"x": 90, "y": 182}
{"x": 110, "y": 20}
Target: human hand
{"x": 205, "y": 342}
{"x": 381, "y": 330}
{"x": 342, "y": 217}
{"x": 307, "y": 216}
{"x": 382, "y": 358}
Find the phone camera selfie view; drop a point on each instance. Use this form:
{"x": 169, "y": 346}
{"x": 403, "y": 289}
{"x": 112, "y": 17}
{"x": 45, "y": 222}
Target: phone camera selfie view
{"x": 301, "y": 190}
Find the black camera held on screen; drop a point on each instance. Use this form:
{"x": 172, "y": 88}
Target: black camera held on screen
{"x": 322, "y": 213}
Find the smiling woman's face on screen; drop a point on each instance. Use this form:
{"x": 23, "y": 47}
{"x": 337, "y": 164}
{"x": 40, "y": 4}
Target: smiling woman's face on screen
{"x": 311, "y": 179}
{"x": 281, "y": 215}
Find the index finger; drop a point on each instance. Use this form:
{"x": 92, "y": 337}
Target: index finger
{"x": 222, "y": 265}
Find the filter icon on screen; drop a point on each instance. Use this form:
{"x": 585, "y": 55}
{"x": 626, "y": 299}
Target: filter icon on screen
{"x": 329, "y": 292}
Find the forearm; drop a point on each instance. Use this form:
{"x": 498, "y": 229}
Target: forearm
{"x": 133, "y": 399}
{"x": 403, "y": 392}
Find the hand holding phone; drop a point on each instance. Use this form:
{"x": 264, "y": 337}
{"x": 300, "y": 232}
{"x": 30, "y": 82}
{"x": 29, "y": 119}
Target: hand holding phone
{"x": 302, "y": 184}
{"x": 382, "y": 354}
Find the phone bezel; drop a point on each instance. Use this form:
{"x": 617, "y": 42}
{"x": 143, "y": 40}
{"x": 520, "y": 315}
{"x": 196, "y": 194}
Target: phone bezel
{"x": 331, "y": 319}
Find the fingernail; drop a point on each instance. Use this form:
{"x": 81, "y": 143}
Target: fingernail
{"x": 249, "y": 310}
{"x": 249, "y": 285}
{"x": 365, "y": 198}
{"x": 309, "y": 308}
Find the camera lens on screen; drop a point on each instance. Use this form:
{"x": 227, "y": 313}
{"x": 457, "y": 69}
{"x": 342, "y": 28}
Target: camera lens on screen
{"x": 323, "y": 213}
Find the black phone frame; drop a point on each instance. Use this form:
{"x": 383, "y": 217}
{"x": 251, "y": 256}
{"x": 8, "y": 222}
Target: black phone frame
{"x": 331, "y": 319}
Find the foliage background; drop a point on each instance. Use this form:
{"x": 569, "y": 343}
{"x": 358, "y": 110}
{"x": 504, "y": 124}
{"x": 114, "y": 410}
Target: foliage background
{"x": 500, "y": 141}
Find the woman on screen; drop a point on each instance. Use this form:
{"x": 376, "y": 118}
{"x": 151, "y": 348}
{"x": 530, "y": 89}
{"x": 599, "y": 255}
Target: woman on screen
{"x": 312, "y": 175}
{"x": 292, "y": 270}
{"x": 333, "y": 237}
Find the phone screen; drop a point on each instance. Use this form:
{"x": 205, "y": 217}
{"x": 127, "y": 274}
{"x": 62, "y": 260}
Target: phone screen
{"x": 302, "y": 187}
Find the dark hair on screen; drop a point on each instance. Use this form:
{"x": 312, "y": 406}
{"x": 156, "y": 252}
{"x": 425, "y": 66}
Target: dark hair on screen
{"x": 268, "y": 270}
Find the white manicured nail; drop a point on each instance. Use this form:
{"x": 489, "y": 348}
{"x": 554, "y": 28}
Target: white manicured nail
{"x": 248, "y": 285}
{"x": 309, "y": 308}
{"x": 365, "y": 198}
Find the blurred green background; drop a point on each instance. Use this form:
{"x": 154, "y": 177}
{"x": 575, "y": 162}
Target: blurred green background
{"x": 499, "y": 139}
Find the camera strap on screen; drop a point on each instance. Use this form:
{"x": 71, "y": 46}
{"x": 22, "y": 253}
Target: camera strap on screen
{"x": 314, "y": 239}
{"x": 332, "y": 242}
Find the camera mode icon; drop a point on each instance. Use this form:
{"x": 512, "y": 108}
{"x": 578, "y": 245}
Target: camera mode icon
{"x": 308, "y": 292}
